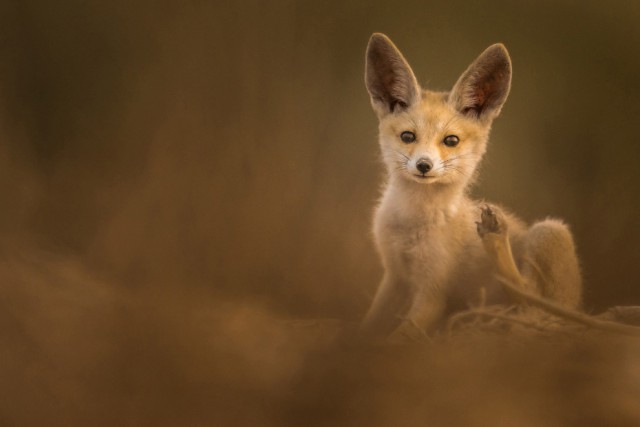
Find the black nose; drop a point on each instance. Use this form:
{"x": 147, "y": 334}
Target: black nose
{"x": 424, "y": 165}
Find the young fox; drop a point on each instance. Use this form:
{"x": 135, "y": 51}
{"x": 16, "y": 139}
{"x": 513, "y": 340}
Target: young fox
{"x": 425, "y": 225}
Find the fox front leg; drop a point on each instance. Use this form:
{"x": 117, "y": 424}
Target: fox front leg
{"x": 423, "y": 317}
{"x": 388, "y": 307}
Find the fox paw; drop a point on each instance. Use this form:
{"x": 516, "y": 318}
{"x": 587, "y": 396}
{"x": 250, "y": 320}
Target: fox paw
{"x": 407, "y": 332}
{"x": 491, "y": 221}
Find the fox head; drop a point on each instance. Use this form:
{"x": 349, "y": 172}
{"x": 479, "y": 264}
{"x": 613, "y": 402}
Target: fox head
{"x": 434, "y": 137}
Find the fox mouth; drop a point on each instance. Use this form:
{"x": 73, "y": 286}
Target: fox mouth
{"x": 423, "y": 177}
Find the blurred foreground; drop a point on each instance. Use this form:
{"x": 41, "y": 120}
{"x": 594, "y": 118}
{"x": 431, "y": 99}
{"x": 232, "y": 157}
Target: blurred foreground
{"x": 76, "y": 353}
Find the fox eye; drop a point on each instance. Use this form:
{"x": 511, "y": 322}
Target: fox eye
{"x": 451, "y": 140}
{"x": 407, "y": 137}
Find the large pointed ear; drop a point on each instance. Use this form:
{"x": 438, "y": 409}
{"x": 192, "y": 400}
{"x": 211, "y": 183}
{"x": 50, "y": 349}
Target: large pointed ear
{"x": 388, "y": 77}
{"x": 484, "y": 86}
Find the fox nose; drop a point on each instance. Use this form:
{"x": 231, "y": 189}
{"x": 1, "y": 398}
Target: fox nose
{"x": 424, "y": 165}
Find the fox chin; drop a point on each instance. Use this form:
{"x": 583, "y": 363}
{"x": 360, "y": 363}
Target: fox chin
{"x": 425, "y": 224}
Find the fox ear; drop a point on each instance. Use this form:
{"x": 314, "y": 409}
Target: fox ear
{"x": 389, "y": 79}
{"x": 483, "y": 88}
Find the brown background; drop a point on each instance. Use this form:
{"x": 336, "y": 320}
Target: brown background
{"x": 231, "y": 145}
{"x": 228, "y": 150}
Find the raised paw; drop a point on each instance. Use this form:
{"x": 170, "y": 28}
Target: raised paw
{"x": 491, "y": 221}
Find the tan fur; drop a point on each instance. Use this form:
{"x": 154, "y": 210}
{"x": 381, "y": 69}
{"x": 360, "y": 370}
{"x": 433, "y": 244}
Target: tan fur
{"x": 425, "y": 226}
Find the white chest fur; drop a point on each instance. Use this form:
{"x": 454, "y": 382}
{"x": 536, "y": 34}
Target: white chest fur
{"x": 419, "y": 235}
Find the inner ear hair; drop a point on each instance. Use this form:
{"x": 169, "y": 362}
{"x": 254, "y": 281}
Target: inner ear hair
{"x": 388, "y": 77}
{"x": 483, "y": 88}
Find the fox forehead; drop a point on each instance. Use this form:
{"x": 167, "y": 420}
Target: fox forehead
{"x": 432, "y": 117}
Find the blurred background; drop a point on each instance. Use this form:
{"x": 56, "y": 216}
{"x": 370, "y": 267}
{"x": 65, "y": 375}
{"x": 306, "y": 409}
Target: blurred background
{"x": 164, "y": 164}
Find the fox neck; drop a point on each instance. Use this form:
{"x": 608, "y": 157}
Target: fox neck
{"x": 435, "y": 202}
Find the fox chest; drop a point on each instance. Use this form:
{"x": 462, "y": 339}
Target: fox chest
{"x": 421, "y": 252}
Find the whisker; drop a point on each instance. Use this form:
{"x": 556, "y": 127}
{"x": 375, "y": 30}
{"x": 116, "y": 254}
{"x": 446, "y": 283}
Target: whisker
{"x": 402, "y": 154}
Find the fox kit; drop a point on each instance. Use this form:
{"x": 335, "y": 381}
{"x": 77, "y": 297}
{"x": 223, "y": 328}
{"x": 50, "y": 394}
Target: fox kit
{"x": 425, "y": 224}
